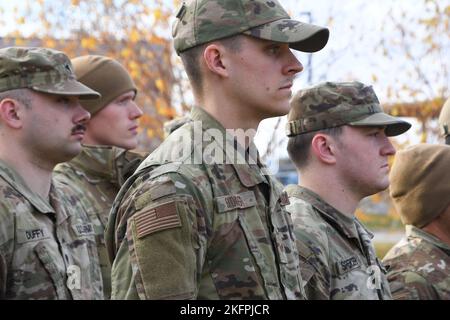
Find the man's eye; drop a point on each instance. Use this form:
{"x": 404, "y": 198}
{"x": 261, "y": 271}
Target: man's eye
{"x": 274, "y": 49}
{"x": 64, "y": 100}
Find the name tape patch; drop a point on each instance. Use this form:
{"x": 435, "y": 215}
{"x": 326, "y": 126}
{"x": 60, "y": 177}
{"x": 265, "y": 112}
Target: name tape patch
{"x": 236, "y": 201}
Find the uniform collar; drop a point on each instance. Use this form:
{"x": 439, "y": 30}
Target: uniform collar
{"x": 344, "y": 223}
{"x": 97, "y": 161}
{"x": 412, "y": 231}
{"x": 18, "y": 184}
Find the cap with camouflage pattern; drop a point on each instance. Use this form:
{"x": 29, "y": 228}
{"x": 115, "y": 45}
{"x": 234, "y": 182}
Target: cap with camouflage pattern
{"x": 40, "y": 69}
{"x": 333, "y": 104}
{"x": 444, "y": 120}
{"x": 202, "y": 21}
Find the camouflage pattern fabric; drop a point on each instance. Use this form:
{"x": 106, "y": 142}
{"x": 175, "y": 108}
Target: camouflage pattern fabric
{"x": 47, "y": 249}
{"x": 95, "y": 176}
{"x": 40, "y": 69}
{"x": 333, "y": 104}
{"x": 172, "y": 125}
{"x": 338, "y": 261}
{"x": 202, "y": 21}
{"x": 180, "y": 230}
{"x": 419, "y": 267}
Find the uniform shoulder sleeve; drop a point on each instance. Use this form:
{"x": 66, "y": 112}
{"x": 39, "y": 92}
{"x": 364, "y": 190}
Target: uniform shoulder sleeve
{"x": 312, "y": 244}
{"x": 165, "y": 227}
{"x": 409, "y": 285}
{"x": 7, "y": 226}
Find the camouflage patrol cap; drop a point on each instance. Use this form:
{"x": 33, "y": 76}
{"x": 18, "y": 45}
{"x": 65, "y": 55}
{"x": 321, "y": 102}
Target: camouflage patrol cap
{"x": 333, "y": 104}
{"x": 444, "y": 119}
{"x": 202, "y": 21}
{"x": 42, "y": 70}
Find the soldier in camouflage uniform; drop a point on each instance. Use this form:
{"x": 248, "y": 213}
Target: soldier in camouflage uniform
{"x": 419, "y": 265}
{"x": 97, "y": 173}
{"x": 47, "y": 243}
{"x": 338, "y": 140}
{"x": 444, "y": 121}
{"x": 199, "y": 219}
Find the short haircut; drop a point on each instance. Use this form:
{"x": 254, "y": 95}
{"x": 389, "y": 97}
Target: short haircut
{"x": 20, "y": 95}
{"x": 191, "y": 60}
{"x": 298, "y": 146}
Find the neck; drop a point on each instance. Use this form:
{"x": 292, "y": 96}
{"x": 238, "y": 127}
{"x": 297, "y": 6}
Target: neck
{"x": 36, "y": 174}
{"x": 89, "y": 140}
{"x": 230, "y": 114}
{"x": 325, "y": 184}
{"x": 439, "y": 228}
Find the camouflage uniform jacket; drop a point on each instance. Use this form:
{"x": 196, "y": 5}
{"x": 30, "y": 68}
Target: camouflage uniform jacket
{"x": 338, "y": 260}
{"x": 419, "y": 267}
{"x": 47, "y": 248}
{"x": 95, "y": 175}
{"x": 189, "y": 229}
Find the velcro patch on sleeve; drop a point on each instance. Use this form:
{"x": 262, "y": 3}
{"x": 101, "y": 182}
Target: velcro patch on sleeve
{"x": 236, "y": 201}
{"x": 158, "y": 190}
{"x": 162, "y": 217}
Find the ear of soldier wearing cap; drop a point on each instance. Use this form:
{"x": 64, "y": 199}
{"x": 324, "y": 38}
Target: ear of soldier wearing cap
{"x": 47, "y": 249}
{"x": 217, "y": 244}
{"x": 444, "y": 121}
{"x": 96, "y": 174}
{"x": 330, "y": 105}
{"x": 331, "y": 184}
{"x": 420, "y": 264}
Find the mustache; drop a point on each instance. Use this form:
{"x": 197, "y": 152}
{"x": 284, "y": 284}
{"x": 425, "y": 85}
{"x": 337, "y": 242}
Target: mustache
{"x": 79, "y": 127}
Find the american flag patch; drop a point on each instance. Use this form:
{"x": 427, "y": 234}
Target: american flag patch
{"x": 162, "y": 217}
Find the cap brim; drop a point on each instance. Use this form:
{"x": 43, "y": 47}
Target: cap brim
{"x": 300, "y": 36}
{"x": 69, "y": 88}
{"x": 394, "y": 126}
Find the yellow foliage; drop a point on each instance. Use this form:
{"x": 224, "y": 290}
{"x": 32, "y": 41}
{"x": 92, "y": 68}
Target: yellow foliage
{"x": 75, "y": 2}
{"x": 20, "y": 20}
{"x": 150, "y": 133}
{"x": 89, "y": 43}
{"x": 19, "y": 42}
{"x": 50, "y": 43}
{"x": 159, "y": 83}
{"x": 134, "y": 35}
{"x": 374, "y": 77}
{"x": 167, "y": 112}
{"x": 126, "y": 53}
{"x": 157, "y": 14}
{"x": 376, "y": 198}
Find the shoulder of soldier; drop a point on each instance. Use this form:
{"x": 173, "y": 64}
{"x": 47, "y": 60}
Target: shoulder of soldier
{"x": 416, "y": 262}
{"x": 12, "y": 203}
{"x": 410, "y": 285}
{"x": 66, "y": 174}
{"x": 177, "y": 147}
{"x": 309, "y": 227}
{"x": 407, "y": 252}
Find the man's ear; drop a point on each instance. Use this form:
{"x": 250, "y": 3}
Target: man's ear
{"x": 213, "y": 57}
{"x": 11, "y": 113}
{"x": 322, "y": 149}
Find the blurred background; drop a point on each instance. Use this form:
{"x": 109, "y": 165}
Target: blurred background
{"x": 401, "y": 47}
